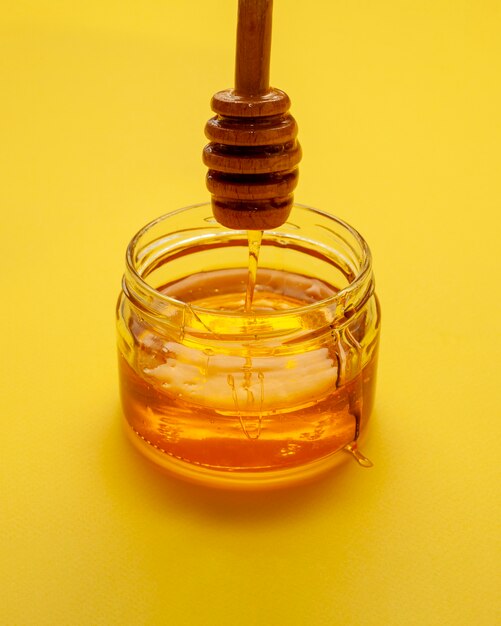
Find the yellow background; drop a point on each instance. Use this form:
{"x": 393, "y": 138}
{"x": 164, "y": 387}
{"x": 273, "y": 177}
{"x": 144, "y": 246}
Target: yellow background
{"x": 102, "y": 109}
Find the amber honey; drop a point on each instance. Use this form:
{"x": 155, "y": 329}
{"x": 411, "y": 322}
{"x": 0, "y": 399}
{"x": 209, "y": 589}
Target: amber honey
{"x": 271, "y": 412}
{"x": 233, "y": 376}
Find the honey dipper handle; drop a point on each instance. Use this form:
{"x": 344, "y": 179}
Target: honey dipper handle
{"x": 252, "y": 67}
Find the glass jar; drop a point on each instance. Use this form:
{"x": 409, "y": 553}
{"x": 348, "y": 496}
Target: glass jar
{"x": 225, "y": 397}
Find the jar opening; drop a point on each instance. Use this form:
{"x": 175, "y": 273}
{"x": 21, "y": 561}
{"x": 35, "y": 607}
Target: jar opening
{"x": 323, "y": 263}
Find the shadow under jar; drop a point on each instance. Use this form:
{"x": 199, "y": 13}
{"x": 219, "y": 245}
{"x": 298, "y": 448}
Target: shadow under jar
{"x": 254, "y": 399}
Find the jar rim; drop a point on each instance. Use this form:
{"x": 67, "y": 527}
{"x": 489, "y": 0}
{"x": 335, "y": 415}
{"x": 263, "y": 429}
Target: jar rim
{"x": 345, "y": 294}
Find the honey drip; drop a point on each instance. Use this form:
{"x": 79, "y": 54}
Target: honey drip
{"x": 352, "y": 448}
{"x": 254, "y": 237}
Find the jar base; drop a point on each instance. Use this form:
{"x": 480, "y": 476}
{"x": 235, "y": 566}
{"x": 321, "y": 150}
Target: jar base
{"x": 236, "y": 480}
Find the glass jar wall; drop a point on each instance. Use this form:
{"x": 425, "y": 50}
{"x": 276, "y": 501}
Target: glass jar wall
{"x": 253, "y": 399}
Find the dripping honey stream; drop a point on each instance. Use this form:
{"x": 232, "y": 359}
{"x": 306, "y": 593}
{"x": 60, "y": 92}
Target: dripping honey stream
{"x": 254, "y": 238}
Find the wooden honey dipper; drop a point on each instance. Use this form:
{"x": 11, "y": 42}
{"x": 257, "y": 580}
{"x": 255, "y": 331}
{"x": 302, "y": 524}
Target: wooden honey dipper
{"x": 253, "y": 154}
